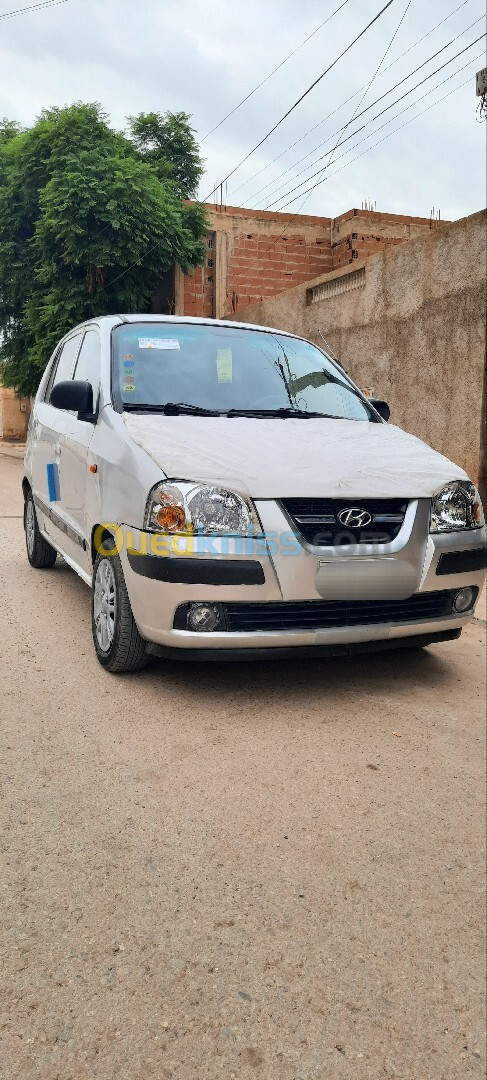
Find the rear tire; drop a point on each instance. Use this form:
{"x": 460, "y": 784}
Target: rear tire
{"x": 118, "y": 644}
{"x": 39, "y": 553}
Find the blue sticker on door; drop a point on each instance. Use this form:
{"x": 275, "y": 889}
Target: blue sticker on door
{"x": 53, "y": 483}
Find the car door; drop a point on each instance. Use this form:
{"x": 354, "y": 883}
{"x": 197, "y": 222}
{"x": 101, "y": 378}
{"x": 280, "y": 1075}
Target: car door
{"x": 75, "y": 440}
{"x": 48, "y": 424}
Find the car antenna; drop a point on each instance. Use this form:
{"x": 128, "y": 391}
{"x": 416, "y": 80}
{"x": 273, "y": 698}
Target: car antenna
{"x": 330, "y": 350}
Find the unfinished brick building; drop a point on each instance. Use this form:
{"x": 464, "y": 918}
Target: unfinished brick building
{"x": 255, "y": 254}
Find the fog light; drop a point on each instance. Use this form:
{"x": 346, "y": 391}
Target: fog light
{"x": 203, "y": 617}
{"x": 463, "y": 599}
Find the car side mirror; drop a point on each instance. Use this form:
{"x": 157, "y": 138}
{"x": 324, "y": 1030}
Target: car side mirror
{"x": 74, "y": 396}
{"x": 381, "y": 407}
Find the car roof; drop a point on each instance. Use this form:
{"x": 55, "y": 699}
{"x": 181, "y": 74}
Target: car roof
{"x": 116, "y": 320}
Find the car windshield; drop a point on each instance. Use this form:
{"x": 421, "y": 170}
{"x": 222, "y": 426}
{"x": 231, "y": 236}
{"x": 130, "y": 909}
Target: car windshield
{"x": 226, "y": 370}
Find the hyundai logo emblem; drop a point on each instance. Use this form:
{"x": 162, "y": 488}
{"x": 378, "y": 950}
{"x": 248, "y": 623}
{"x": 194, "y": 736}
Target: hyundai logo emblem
{"x": 354, "y": 518}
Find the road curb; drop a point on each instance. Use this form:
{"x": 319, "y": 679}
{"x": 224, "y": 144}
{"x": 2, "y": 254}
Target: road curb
{"x": 13, "y": 450}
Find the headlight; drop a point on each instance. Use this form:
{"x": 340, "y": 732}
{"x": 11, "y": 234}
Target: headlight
{"x": 179, "y": 507}
{"x": 457, "y": 506}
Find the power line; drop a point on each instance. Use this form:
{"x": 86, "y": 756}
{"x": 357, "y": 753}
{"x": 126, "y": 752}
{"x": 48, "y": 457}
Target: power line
{"x": 369, "y": 84}
{"x": 279, "y": 66}
{"x": 376, "y": 117}
{"x": 371, "y": 106}
{"x": 300, "y": 99}
{"x": 33, "y": 7}
{"x": 366, "y": 89}
{"x": 327, "y": 117}
{"x": 382, "y": 96}
{"x": 370, "y": 135}
{"x": 351, "y": 162}
{"x": 393, "y": 132}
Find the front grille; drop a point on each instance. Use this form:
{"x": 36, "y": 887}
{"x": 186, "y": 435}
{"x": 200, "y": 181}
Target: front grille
{"x": 328, "y": 614}
{"x": 317, "y": 520}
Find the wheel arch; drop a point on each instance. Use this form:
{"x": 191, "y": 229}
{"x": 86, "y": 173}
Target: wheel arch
{"x": 106, "y": 534}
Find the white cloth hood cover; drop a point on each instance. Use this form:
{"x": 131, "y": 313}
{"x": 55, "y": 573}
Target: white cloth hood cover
{"x": 286, "y": 458}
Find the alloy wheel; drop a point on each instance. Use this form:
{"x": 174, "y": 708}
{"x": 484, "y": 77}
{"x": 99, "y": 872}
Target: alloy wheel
{"x": 30, "y": 526}
{"x": 105, "y": 605}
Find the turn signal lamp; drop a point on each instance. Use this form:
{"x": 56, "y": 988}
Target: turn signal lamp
{"x": 171, "y": 518}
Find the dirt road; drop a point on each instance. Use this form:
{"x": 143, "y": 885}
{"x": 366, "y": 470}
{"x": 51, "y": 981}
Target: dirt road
{"x": 270, "y": 870}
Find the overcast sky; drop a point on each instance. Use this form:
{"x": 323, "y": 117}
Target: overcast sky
{"x": 203, "y": 58}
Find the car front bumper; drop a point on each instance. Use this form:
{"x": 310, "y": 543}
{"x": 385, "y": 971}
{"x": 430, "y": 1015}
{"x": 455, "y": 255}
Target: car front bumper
{"x": 158, "y": 584}
{"x": 302, "y": 652}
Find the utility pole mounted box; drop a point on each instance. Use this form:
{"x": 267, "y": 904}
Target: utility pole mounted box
{"x": 481, "y": 82}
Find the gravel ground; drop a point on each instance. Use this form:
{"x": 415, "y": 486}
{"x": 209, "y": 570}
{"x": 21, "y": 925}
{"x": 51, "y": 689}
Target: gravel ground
{"x": 270, "y": 870}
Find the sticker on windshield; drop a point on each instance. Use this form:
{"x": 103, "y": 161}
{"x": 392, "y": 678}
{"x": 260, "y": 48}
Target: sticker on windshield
{"x": 224, "y": 365}
{"x": 158, "y": 343}
{"x": 128, "y": 383}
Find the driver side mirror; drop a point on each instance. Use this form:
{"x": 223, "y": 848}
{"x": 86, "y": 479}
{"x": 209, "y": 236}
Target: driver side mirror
{"x": 74, "y": 396}
{"x": 381, "y": 407}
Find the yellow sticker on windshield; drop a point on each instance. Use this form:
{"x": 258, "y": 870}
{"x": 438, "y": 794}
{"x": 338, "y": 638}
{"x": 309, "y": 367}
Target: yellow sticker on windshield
{"x": 224, "y": 365}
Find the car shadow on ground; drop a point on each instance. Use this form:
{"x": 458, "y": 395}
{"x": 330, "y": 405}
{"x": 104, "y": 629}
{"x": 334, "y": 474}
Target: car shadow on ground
{"x": 385, "y": 671}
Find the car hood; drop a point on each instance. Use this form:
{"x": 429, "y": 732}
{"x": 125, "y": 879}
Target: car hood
{"x": 284, "y": 458}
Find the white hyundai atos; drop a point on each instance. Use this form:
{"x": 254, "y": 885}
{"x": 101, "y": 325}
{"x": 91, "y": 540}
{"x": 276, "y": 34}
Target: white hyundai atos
{"x": 229, "y": 492}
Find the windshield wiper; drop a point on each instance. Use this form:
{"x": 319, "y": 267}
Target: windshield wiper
{"x": 170, "y": 408}
{"x": 284, "y": 413}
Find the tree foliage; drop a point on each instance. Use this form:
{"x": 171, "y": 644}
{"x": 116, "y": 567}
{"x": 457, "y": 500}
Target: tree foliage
{"x": 166, "y": 141}
{"x": 90, "y": 220}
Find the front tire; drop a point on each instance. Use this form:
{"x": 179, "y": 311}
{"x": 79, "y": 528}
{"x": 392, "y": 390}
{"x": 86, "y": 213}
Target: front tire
{"x": 39, "y": 553}
{"x": 118, "y": 644}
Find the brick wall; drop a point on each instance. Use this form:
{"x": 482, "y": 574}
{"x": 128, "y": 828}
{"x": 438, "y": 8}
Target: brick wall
{"x": 199, "y": 286}
{"x": 262, "y": 266}
{"x": 257, "y": 254}
{"x": 358, "y": 246}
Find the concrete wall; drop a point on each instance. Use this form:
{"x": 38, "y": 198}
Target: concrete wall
{"x": 412, "y": 326}
{"x": 14, "y": 415}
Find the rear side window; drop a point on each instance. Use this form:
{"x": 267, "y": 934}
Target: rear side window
{"x": 65, "y": 363}
{"x": 88, "y": 364}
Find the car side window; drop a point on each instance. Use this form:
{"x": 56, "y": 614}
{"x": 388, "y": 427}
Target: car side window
{"x": 88, "y": 364}
{"x": 65, "y": 363}
{"x": 52, "y": 372}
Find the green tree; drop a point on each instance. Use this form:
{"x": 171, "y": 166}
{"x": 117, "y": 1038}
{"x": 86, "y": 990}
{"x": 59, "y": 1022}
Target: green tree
{"x": 166, "y": 141}
{"x": 8, "y": 128}
{"x": 88, "y": 226}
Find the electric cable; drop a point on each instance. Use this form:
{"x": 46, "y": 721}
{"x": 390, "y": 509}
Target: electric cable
{"x": 367, "y": 88}
{"x": 279, "y": 66}
{"x": 459, "y": 87}
{"x": 301, "y": 98}
{"x": 390, "y": 106}
{"x": 329, "y": 115}
{"x": 32, "y": 7}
